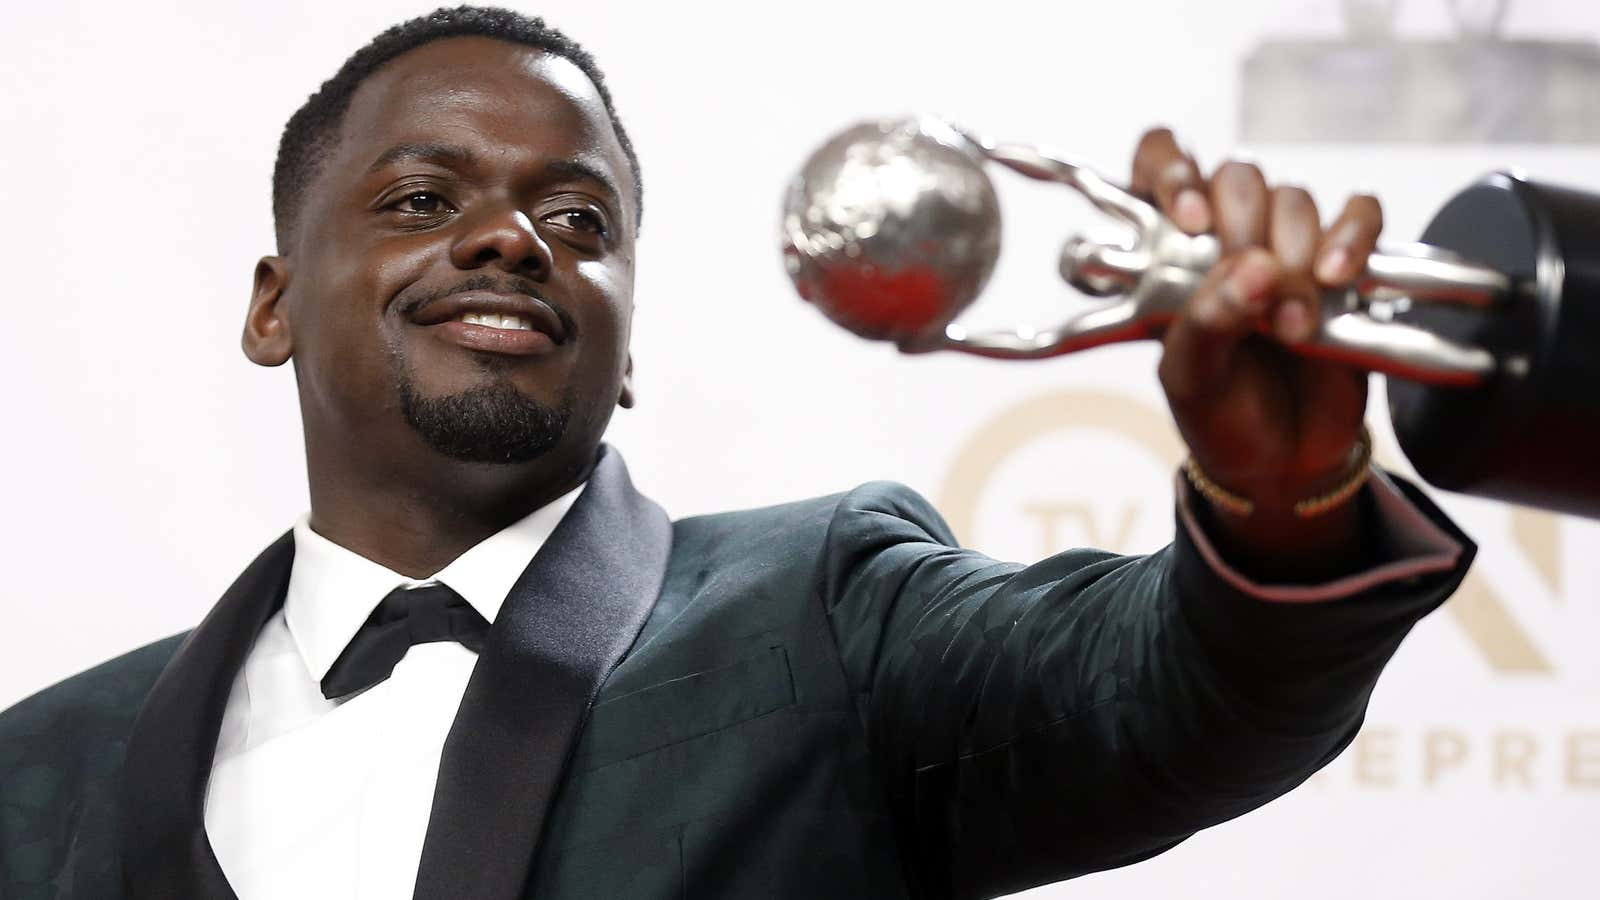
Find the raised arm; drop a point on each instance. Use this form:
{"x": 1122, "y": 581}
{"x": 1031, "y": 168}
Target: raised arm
{"x": 1038, "y": 722}
{"x": 1034, "y": 723}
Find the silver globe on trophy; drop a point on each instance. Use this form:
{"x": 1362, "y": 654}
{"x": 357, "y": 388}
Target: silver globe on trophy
{"x": 1489, "y": 328}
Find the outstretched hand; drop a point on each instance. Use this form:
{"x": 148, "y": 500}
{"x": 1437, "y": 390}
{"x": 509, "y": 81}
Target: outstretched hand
{"x": 1263, "y": 422}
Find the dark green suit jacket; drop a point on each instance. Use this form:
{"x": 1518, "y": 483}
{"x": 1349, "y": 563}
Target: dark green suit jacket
{"x": 823, "y": 699}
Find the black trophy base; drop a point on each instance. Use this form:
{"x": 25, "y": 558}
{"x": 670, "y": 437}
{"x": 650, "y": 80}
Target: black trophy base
{"x": 1532, "y": 435}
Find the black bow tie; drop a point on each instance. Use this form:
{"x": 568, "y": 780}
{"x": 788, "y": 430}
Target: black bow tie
{"x": 421, "y": 615}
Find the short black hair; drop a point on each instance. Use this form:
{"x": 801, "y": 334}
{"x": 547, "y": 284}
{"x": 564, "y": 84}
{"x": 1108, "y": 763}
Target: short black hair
{"x": 314, "y": 128}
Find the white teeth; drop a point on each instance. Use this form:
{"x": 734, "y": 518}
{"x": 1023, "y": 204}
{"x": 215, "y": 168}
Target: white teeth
{"x": 492, "y": 320}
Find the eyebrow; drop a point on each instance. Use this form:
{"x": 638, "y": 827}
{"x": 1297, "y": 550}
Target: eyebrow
{"x": 582, "y": 170}
{"x": 428, "y": 152}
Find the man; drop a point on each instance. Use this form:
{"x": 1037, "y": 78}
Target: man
{"x": 485, "y": 667}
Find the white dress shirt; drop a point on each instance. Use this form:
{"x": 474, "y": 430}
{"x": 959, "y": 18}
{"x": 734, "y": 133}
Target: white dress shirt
{"x": 318, "y": 798}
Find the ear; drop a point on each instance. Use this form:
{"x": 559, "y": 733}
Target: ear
{"x": 266, "y": 339}
{"x": 625, "y": 399}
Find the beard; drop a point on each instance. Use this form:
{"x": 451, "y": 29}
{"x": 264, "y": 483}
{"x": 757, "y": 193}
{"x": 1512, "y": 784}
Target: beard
{"x": 490, "y": 423}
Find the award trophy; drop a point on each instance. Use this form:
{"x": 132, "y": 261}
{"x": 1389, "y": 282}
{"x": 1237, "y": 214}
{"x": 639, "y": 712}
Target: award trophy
{"x": 1489, "y": 330}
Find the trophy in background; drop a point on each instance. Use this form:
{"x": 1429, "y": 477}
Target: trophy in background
{"x": 1372, "y": 86}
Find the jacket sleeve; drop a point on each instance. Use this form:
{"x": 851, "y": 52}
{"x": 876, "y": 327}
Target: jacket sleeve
{"x": 1034, "y": 723}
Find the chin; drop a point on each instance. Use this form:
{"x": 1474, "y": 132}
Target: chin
{"x": 494, "y": 422}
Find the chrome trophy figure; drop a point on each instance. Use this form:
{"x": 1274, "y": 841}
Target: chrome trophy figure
{"x": 1490, "y": 328}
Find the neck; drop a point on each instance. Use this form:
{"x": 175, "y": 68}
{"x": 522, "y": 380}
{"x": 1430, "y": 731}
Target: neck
{"x": 417, "y": 522}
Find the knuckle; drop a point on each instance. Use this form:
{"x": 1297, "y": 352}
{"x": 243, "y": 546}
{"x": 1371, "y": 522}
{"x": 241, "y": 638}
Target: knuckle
{"x": 1177, "y": 174}
{"x": 1294, "y": 208}
{"x": 1157, "y": 136}
{"x": 1152, "y": 155}
{"x": 1208, "y": 313}
{"x": 1240, "y": 170}
{"x": 1262, "y": 258}
{"x": 1173, "y": 384}
{"x": 1164, "y": 370}
{"x": 1364, "y": 202}
{"x": 1292, "y": 196}
{"x": 1366, "y": 209}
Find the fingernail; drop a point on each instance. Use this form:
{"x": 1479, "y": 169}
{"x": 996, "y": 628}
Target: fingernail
{"x": 1292, "y": 322}
{"x": 1191, "y": 211}
{"x": 1331, "y": 268}
{"x": 1251, "y": 278}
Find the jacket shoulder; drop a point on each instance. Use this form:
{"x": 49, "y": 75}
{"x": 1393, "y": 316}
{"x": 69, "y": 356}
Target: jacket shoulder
{"x": 97, "y": 703}
{"x": 781, "y": 515}
{"x": 804, "y": 525}
{"x": 61, "y": 754}
{"x": 772, "y": 552}
{"x": 877, "y": 505}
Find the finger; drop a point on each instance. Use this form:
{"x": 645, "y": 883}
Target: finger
{"x": 1294, "y": 230}
{"x": 1199, "y": 346}
{"x": 1164, "y": 172}
{"x": 1239, "y": 202}
{"x": 1294, "y": 233}
{"x": 1349, "y": 241}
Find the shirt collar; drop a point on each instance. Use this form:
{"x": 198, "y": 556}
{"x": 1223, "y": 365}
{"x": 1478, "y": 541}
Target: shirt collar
{"x": 332, "y": 590}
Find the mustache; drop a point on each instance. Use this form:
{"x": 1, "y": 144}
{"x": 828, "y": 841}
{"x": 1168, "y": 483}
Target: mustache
{"x": 507, "y": 284}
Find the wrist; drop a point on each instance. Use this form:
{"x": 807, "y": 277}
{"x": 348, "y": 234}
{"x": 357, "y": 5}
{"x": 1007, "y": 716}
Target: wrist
{"x": 1283, "y": 495}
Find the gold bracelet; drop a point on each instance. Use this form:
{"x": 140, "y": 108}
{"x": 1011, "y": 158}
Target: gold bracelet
{"x": 1361, "y": 470}
{"x": 1309, "y": 508}
{"x": 1216, "y": 494}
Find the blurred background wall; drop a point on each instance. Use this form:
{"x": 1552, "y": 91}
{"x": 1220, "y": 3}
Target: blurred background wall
{"x": 146, "y": 461}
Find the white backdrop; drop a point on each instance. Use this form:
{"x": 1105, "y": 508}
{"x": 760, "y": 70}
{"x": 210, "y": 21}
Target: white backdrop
{"x": 147, "y": 461}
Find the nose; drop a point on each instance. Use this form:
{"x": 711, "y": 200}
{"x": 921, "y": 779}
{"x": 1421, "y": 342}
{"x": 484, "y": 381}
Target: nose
{"x": 505, "y": 239}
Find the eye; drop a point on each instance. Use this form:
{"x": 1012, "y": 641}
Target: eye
{"x": 422, "y": 203}
{"x": 582, "y": 220}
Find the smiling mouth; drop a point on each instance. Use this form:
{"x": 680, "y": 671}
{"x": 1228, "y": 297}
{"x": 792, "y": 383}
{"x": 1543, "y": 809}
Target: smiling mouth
{"x": 491, "y": 320}
{"x": 486, "y": 321}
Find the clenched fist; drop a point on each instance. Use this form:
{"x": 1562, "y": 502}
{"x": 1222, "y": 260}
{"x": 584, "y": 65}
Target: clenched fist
{"x": 1262, "y": 421}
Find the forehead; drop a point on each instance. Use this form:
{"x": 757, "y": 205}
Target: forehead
{"x": 504, "y": 100}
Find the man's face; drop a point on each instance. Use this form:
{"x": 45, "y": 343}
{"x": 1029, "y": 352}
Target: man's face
{"x": 463, "y": 268}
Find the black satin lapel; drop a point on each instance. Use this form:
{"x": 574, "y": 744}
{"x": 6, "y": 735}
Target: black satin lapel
{"x": 165, "y": 852}
{"x": 565, "y": 625}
